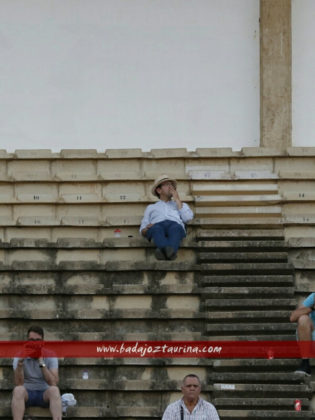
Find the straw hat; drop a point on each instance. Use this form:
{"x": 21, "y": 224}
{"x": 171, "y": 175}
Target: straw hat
{"x": 160, "y": 180}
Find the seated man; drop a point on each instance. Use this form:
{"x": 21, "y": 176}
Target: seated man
{"x": 35, "y": 377}
{"x": 305, "y": 318}
{"x": 191, "y": 405}
{"x": 164, "y": 221}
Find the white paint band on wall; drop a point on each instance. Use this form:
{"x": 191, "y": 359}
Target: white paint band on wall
{"x": 122, "y": 74}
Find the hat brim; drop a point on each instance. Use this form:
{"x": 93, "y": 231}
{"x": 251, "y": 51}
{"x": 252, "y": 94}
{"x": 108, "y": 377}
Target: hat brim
{"x": 160, "y": 181}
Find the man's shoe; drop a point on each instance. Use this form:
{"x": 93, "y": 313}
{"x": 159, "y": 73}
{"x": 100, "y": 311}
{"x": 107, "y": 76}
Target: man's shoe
{"x": 159, "y": 254}
{"x": 304, "y": 368}
{"x": 170, "y": 253}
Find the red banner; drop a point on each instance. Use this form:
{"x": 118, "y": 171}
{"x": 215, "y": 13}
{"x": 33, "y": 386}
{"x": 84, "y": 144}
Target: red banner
{"x": 160, "y": 349}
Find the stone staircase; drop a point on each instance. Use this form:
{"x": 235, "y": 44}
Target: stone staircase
{"x": 247, "y": 284}
{"x": 247, "y": 290}
{"x": 259, "y": 389}
{"x": 247, "y": 294}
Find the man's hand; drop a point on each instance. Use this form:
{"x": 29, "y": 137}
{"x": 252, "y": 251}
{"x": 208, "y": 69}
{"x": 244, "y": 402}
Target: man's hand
{"x": 295, "y": 315}
{"x": 144, "y": 231}
{"x": 175, "y": 196}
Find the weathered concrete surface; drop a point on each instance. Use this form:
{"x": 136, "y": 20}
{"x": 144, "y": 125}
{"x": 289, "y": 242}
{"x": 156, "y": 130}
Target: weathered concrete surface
{"x": 71, "y": 257}
{"x": 275, "y": 74}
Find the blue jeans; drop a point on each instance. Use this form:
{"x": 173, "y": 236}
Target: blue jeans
{"x": 166, "y": 233}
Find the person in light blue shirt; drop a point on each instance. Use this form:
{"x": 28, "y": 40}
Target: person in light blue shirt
{"x": 164, "y": 221}
{"x": 305, "y": 318}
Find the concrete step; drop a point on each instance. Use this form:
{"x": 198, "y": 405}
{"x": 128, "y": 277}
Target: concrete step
{"x": 241, "y": 222}
{"x": 86, "y": 244}
{"x": 86, "y": 257}
{"x": 250, "y": 267}
{"x": 238, "y": 199}
{"x": 96, "y": 282}
{"x": 305, "y": 219}
{"x": 299, "y": 196}
{"x": 267, "y": 244}
{"x": 250, "y": 336}
{"x": 257, "y": 365}
{"x": 68, "y": 192}
{"x": 34, "y": 288}
{"x": 234, "y": 389}
{"x": 255, "y": 304}
{"x": 246, "y": 328}
{"x": 267, "y": 403}
{"x": 229, "y": 234}
{"x": 255, "y": 377}
{"x": 138, "y": 242}
{"x": 206, "y": 174}
{"x": 117, "y": 329}
{"x": 202, "y": 188}
{"x": 109, "y": 411}
{"x": 248, "y": 316}
{"x": 242, "y": 291}
{"x": 102, "y": 221}
{"x": 263, "y": 414}
{"x": 79, "y": 243}
{"x": 78, "y": 364}
{"x": 98, "y": 307}
{"x": 240, "y": 280}
{"x": 158, "y": 376}
{"x": 206, "y": 209}
{"x": 111, "y": 385}
{"x": 242, "y": 256}
{"x": 66, "y": 265}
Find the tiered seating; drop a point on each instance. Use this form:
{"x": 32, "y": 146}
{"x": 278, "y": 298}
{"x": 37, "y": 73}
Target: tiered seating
{"x": 71, "y": 259}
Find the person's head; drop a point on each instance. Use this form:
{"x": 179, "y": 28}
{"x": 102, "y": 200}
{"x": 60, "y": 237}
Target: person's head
{"x": 163, "y": 185}
{"x": 191, "y": 387}
{"x": 35, "y": 333}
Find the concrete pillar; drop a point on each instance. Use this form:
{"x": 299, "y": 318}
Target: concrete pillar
{"x": 275, "y": 74}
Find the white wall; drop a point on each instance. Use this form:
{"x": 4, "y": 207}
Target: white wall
{"x": 129, "y": 73}
{"x": 303, "y": 72}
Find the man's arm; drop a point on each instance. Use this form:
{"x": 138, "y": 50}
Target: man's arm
{"x": 303, "y": 310}
{"x": 51, "y": 375}
{"x": 145, "y": 222}
{"x": 19, "y": 373}
{"x": 144, "y": 230}
{"x": 213, "y": 414}
{"x": 185, "y": 212}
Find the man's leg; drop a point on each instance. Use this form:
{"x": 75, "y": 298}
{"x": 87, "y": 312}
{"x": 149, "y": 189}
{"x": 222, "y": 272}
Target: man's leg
{"x": 304, "y": 332}
{"x": 305, "y": 328}
{"x": 175, "y": 234}
{"x": 18, "y": 402}
{"x": 158, "y": 233}
{"x": 52, "y": 395}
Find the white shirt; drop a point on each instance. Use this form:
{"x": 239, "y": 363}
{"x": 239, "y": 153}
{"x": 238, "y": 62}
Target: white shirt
{"x": 202, "y": 411}
{"x": 161, "y": 210}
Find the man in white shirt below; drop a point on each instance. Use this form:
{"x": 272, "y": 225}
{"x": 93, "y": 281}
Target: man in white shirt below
{"x": 191, "y": 406}
{"x": 164, "y": 221}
